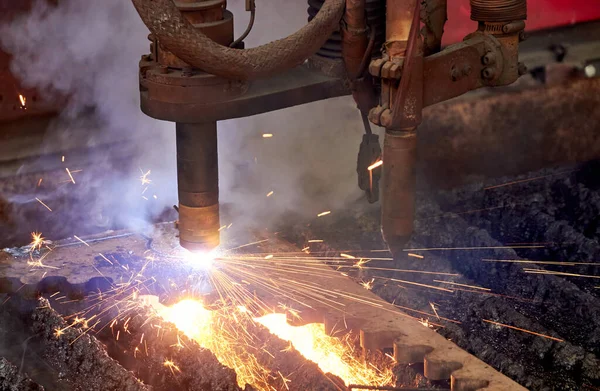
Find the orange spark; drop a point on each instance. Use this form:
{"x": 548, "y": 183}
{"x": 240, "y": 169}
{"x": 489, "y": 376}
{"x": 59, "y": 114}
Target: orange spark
{"x": 269, "y": 194}
{"x": 270, "y": 256}
{"x": 144, "y": 177}
{"x": 347, "y": 256}
{"x": 315, "y": 241}
{"x": 465, "y": 285}
{"x": 40, "y": 201}
{"x": 37, "y": 241}
{"x": 469, "y": 248}
{"x": 171, "y": 365}
{"x": 324, "y": 213}
{"x": 523, "y": 330}
{"x": 267, "y": 135}
{"x": 70, "y": 176}
{"x": 552, "y": 272}
{"x": 23, "y": 100}
{"x": 40, "y": 182}
{"x": 81, "y": 240}
{"x": 375, "y": 165}
{"x": 415, "y": 255}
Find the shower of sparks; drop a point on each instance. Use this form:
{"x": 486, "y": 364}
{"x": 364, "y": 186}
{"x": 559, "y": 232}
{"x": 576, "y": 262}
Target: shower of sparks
{"x": 144, "y": 177}
{"x": 464, "y": 285}
{"x": 70, "y": 175}
{"x": 226, "y": 328}
{"x": 23, "y": 101}
{"x": 375, "y": 165}
{"x": 269, "y": 194}
{"x": 41, "y": 202}
{"x": 523, "y": 330}
{"x": 324, "y": 213}
{"x": 267, "y": 135}
{"x": 556, "y": 273}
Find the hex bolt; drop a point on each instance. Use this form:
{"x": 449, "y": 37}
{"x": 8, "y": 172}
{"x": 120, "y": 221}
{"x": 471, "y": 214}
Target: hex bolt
{"x": 455, "y": 73}
{"x": 488, "y": 73}
{"x": 522, "y": 36}
{"x": 522, "y": 69}
{"x": 466, "y": 70}
{"x": 488, "y": 59}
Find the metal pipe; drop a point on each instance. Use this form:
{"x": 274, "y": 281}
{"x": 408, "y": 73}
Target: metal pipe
{"x": 198, "y": 185}
{"x": 354, "y": 36}
{"x": 399, "y": 17}
{"x": 398, "y": 198}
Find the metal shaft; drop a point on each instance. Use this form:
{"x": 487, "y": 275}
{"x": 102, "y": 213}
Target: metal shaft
{"x": 198, "y": 185}
{"x": 398, "y": 198}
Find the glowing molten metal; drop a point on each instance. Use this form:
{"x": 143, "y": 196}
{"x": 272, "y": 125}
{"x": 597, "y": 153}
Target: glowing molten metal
{"x": 222, "y": 331}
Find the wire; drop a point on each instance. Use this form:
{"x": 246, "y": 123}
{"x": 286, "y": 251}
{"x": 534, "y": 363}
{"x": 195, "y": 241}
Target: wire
{"x": 252, "y": 9}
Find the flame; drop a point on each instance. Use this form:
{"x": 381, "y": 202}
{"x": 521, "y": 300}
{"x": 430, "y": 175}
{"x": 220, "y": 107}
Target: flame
{"x": 213, "y": 330}
{"x": 223, "y": 332}
{"x": 333, "y": 355}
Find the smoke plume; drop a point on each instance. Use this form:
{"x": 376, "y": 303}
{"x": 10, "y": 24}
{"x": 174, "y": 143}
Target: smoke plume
{"x": 89, "y": 51}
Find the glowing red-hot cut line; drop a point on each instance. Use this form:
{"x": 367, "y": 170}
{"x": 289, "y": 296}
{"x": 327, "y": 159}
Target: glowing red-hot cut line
{"x": 375, "y": 165}
{"x": 523, "y": 330}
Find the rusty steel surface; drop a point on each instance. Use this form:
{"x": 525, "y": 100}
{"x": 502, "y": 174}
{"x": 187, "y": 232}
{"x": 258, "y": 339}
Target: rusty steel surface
{"x": 294, "y": 87}
{"x": 169, "y": 26}
{"x": 120, "y": 256}
{"x": 509, "y": 133}
{"x": 398, "y": 192}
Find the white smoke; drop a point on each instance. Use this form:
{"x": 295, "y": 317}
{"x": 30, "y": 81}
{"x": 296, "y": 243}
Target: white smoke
{"x": 89, "y": 51}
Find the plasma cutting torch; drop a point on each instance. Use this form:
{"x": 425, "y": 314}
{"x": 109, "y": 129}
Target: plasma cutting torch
{"x": 197, "y": 74}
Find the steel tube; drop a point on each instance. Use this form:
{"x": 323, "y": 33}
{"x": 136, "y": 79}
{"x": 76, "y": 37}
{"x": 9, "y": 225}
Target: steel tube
{"x": 198, "y": 185}
{"x": 398, "y": 197}
{"x": 399, "y": 17}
